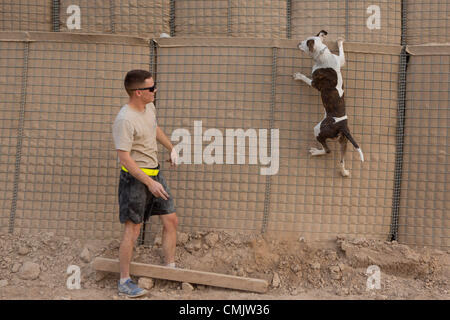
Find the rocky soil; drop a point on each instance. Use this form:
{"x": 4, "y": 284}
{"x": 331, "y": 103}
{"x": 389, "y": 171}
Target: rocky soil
{"x": 35, "y": 267}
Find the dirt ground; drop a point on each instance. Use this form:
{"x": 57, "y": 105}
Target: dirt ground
{"x": 35, "y": 267}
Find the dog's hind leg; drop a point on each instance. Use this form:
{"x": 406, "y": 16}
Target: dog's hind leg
{"x": 343, "y": 143}
{"x": 318, "y": 152}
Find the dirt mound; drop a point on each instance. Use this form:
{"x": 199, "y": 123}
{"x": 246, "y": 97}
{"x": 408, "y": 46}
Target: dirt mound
{"x": 35, "y": 267}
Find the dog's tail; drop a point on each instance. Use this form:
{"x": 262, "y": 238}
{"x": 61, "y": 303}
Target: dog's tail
{"x": 346, "y": 133}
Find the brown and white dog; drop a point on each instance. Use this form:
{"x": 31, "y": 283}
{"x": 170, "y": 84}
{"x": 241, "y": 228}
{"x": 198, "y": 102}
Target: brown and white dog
{"x": 327, "y": 78}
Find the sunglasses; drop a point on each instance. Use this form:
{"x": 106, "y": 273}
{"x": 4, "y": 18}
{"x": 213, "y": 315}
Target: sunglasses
{"x": 150, "y": 89}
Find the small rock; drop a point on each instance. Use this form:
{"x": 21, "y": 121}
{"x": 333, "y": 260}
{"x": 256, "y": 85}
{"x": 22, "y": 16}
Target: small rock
{"x": 115, "y": 297}
{"x": 24, "y": 250}
{"x": 193, "y": 245}
{"x": 15, "y": 268}
{"x": 182, "y": 238}
{"x": 315, "y": 266}
{"x": 335, "y": 269}
{"x": 100, "y": 275}
{"x": 211, "y": 239}
{"x": 3, "y": 283}
{"x": 158, "y": 241}
{"x": 301, "y": 239}
{"x": 295, "y": 268}
{"x": 29, "y": 271}
{"x": 276, "y": 280}
{"x": 114, "y": 244}
{"x": 86, "y": 255}
{"x": 145, "y": 283}
{"x": 187, "y": 287}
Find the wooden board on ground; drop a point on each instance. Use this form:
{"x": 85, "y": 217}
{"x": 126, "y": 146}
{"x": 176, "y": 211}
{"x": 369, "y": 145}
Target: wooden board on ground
{"x": 185, "y": 275}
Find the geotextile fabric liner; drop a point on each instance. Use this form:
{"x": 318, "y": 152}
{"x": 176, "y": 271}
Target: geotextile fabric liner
{"x": 280, "y": 19}
{"x": 134, "y": 17}
{"x": 424, "y": 207}
{"x": 26, "y": 15}
{"x": 68, "y": 173}
{"x": 73, "y": 88}
{"x": 11, "y": 65}
{"x": 347, "y": 19}
{"x": 242, "y": 83}
{"x": 427, "y": 21}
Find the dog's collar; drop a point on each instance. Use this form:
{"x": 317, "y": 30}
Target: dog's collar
{"x": 340, "y": 119}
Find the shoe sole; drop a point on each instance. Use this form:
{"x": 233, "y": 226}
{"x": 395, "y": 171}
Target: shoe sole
{"x": 136, "y": 296}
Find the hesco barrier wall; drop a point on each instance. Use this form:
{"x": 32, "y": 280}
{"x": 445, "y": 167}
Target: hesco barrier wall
{"x": 358, "y": 21}
{"x": 60, "y": 94}
{"x": 238, "y": 83}
{"x": 61, "y": 91}
{"x": 427, "y": 21}
{"x": 135, "y": 17}
{"x": 28, "y": 15}
{"x": 66, "y": 169}
{"x": 425, "y": 204}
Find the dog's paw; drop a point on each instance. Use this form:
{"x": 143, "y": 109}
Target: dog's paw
{"x": 345, "y": 173}
{"x": 299, "y": 76}
{"x": 317, "y": 152}
{"x": 340, "y": 40}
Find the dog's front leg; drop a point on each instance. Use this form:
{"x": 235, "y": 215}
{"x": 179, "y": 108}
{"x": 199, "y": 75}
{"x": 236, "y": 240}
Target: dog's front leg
{"x": 340, "y": 42}
{"x": 301, "y": 76}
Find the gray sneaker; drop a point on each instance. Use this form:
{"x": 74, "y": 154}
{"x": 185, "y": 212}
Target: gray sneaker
{"x": 131, "y": 289}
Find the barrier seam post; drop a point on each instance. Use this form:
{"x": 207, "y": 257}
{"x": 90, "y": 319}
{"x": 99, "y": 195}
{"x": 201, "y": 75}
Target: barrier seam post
{"x": 20, "y": 135}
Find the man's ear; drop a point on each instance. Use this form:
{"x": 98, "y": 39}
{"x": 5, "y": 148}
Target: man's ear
{"x": 310, "y": 44}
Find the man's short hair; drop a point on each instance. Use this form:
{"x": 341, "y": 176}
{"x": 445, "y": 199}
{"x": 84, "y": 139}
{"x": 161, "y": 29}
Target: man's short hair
{"x": 134, "y": 79}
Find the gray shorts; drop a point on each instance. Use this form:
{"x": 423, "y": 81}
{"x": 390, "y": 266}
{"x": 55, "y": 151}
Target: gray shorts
{"x": 137, "y": 203}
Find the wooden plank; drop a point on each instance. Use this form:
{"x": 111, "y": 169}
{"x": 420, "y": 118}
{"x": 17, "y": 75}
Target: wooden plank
{"x": 185, "y": 275}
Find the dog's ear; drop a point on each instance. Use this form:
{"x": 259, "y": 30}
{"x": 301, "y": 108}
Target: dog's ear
{"x": 322, "y": 34}
{"x": 310, "y": 44}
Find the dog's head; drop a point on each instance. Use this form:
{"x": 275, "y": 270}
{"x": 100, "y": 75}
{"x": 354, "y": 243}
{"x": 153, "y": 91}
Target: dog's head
{"x": 313, "y": 45}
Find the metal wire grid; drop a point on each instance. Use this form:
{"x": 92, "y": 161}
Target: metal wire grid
{"x": 68, "y": 170}
{"x": 427, "y": 21}
{"x": 12, "y": 64}
{"x": 237, "y": 18}
{"x": 26, "y": 15}
{"x": 424, "y": 202}
{"x": 95, "y": 16}
{"x": 132, "y": 17}
{"x": 224, "y": 88}
{"x": 309, "y": 196}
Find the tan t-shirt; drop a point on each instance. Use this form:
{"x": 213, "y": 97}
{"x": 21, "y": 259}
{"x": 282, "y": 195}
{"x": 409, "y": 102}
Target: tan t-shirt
{"x": 135, "y": 132}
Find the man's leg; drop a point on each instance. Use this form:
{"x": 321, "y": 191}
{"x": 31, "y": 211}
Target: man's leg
{"x": 130, "y": 235}
{"x": 169, "y": 236}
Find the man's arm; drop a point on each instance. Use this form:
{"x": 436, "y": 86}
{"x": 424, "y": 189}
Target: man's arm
{"x": 155, "y": 187}
{"x": 163, "y": 139}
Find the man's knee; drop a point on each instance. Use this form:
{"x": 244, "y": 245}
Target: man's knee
{"x": 132, "y": 231}
{"x": 170, "y": 221}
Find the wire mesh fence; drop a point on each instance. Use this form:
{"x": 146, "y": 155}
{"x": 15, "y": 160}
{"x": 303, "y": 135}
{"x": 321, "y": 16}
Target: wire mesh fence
{"x": 424, "y": 205}
{"x": 65, "y": 174}
{"x": 427, "y": 21}
{"x": 357, "y": 21}
{"x": 61, "y": 93}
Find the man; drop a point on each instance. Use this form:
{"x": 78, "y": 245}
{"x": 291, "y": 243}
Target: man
{"x": 142, "y": 189}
